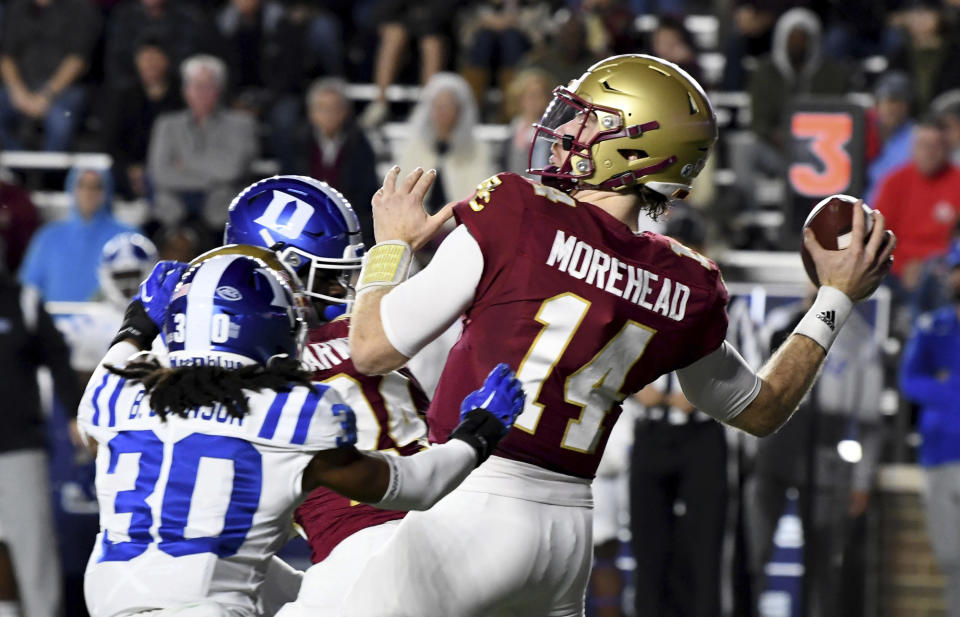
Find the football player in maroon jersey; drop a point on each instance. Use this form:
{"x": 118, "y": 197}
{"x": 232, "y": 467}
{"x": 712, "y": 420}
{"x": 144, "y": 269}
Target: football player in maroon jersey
{"x": 553, "y": 279}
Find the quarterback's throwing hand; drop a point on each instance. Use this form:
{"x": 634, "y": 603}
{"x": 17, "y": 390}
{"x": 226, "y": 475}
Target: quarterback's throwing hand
{"x": 398, "y": 212}
{"x": 858, "y": 270}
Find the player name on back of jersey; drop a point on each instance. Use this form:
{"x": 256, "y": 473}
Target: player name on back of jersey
{"x": 215, "y": 413}
{"x": 322, "y": 356}
{"x": 589, "y": 264}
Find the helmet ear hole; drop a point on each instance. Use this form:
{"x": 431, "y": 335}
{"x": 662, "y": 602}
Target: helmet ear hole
{"x": 629, "y": 154}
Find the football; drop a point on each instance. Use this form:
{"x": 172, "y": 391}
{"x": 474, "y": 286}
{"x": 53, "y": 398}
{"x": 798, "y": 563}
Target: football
{"x": 832, "y": 223}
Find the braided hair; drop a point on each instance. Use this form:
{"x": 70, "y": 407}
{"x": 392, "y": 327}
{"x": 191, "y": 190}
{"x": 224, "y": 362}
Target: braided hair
{"x": 179, "y": 390}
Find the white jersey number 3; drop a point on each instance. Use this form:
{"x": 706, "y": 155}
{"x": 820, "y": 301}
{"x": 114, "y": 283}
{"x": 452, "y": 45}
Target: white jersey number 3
{"x": 595, "y": 386}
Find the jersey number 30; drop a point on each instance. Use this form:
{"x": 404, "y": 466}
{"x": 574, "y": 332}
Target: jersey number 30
{"x": 594, "y": 387}
{"x": 181, "y": 480}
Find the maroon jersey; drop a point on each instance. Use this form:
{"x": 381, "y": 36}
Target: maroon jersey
{"x": 584, "y": 310}
{"x": 388, "y": 409}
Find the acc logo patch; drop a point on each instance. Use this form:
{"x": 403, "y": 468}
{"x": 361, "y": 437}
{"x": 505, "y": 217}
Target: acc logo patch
{"x": 228, "y": 293}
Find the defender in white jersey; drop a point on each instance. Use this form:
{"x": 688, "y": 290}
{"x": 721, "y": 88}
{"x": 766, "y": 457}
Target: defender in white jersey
{"x": 201, "y": 463}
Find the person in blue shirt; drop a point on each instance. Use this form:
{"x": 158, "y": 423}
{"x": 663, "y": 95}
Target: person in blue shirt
{"x": 930, "y": 377}
{"x": 63, "y": 256}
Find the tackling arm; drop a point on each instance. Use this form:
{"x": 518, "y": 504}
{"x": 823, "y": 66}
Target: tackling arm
{"x": 405, "y": 483}
{"x": 419, "y": 481}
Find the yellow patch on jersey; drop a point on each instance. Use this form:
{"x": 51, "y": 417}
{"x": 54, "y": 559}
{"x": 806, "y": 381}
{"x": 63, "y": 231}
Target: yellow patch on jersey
{"x": 483, "y": 193}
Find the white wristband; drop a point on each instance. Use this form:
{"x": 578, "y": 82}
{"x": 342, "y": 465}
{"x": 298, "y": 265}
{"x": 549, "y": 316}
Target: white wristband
{"x": 823, "y": 321}
{"x": 386, "y": 264}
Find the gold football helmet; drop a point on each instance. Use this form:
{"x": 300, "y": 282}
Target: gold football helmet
{"x": 654, "y": 127}
{"x": 269, "y": 259}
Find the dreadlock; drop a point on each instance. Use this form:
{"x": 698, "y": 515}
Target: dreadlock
{"x": 178, "y": 390}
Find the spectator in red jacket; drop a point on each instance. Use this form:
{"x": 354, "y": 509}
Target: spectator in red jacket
{"x": 921, "y": 201}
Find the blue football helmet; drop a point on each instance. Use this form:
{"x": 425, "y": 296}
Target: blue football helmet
{"x": 231, "y": 310}
{"x": 309, "y": 224}
{"x": 126, "y": 259}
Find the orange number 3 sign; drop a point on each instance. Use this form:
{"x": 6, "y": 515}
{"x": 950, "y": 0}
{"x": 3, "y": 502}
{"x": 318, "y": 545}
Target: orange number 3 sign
{"x": 829, "y": 134}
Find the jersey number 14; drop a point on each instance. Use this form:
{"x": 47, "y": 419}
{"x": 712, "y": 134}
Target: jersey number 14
{"x": 595, "y": 386}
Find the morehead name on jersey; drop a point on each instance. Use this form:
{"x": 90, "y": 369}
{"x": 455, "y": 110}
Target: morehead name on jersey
{"x": 595, "y": 267}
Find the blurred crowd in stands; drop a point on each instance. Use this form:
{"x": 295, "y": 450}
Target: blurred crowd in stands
{"x": 193, "y": 99}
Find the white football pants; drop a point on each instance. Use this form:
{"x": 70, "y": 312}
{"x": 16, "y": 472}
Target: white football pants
{"x": 512, "y": 540}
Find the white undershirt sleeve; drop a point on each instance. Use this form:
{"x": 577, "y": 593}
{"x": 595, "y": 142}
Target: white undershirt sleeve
{"x": 418, "y": 482}
{"x": 416, "y": 311}
{"x": 721, "y": 383}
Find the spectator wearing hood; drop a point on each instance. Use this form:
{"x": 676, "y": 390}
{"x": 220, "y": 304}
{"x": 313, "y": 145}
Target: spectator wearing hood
{"x": 63, "y": 256}
{"x": 748, "y": 38}
{"x": 441, "y": 137}
{"x": 795, "y": 67}
{"x": 890, "y": 119}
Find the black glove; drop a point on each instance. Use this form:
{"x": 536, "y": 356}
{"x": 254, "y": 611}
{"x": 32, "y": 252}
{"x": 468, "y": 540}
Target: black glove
{"x": 138, "y": 326}
{"x": 482, "y": 430}
{"x": 145, "y": 313}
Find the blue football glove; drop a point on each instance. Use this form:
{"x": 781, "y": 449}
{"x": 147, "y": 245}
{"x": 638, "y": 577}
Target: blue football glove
{"x": 144, "y": 316}
{"x": 487, "y": 414}
{"x": 155, "y": 291}
{"x": 501, "y": 395}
